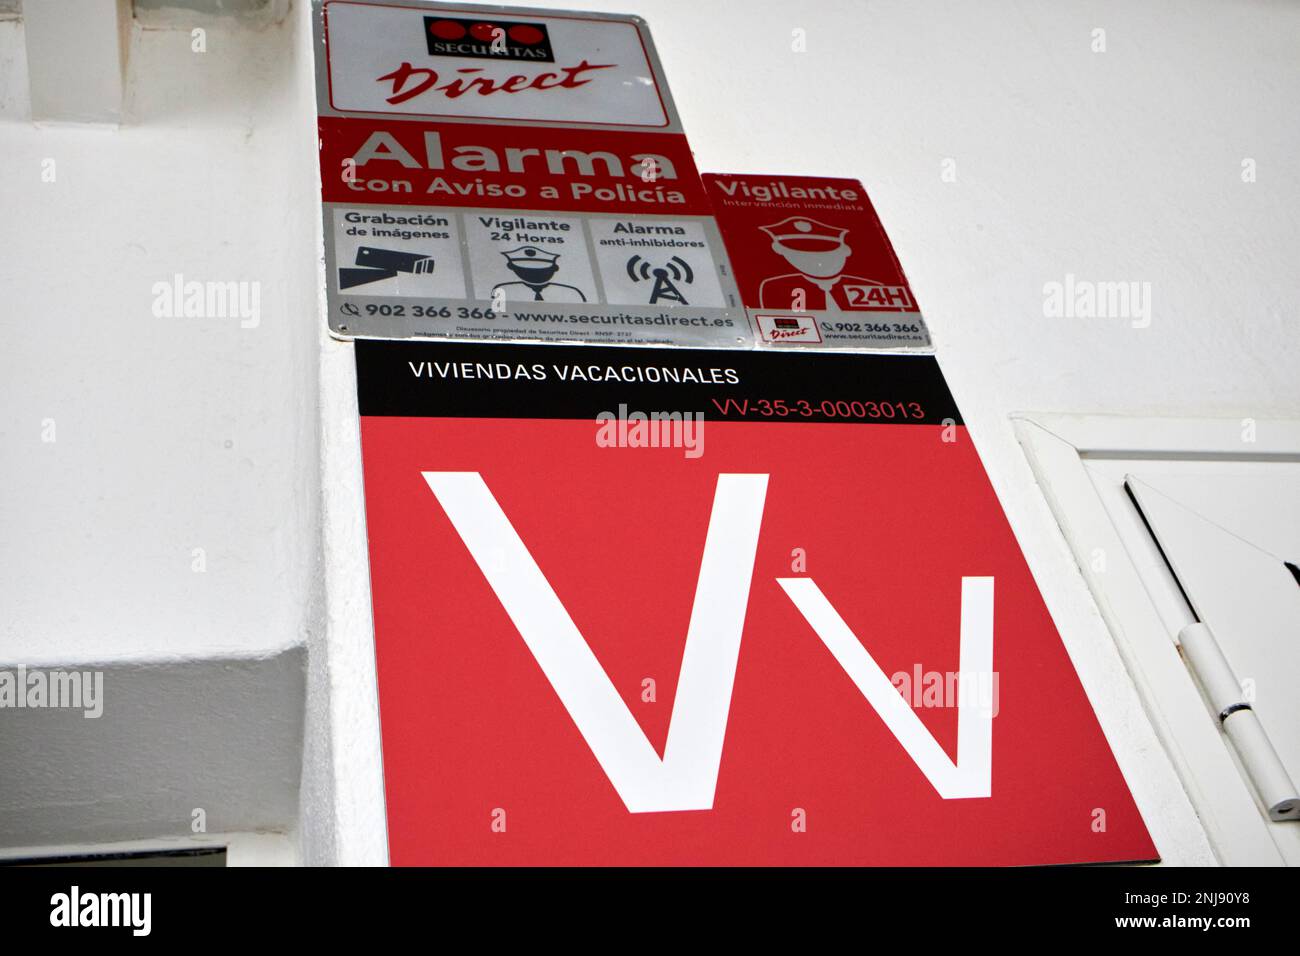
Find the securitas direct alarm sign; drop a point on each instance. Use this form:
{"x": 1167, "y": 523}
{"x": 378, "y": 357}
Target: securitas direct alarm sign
{"x": 490, "y": 173}
{"x": 710, "y": 607}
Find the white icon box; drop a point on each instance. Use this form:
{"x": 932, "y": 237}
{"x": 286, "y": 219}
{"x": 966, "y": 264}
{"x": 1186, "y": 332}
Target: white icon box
{"x": 397, "y": 252}
{"x": 663, "y": 263}
{"x": 529, "y": 257}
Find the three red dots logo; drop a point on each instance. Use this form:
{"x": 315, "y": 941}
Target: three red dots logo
{"x": 488, "y": 39}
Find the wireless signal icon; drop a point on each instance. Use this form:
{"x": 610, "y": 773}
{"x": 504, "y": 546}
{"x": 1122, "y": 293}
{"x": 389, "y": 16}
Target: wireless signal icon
{"x": 666, "y": 277}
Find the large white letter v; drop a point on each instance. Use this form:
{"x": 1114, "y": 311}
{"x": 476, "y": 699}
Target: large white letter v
{"x": 686, "y": 777}
{"x": 972, "y": 774}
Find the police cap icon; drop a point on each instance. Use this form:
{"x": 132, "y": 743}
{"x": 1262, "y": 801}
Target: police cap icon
{"x": 530, "y": 256}
{"x": 801, "y": 227}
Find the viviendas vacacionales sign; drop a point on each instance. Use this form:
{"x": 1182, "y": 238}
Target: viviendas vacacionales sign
{"x": 644, "y": 606}
{"x": 498, "y": 173}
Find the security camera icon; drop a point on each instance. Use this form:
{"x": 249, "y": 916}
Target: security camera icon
{"x": 376, "y": 264}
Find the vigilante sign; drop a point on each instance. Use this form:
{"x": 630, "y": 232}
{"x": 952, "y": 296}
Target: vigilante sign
{"x": 814, "y": 265}
{"x": 683, "y": 606}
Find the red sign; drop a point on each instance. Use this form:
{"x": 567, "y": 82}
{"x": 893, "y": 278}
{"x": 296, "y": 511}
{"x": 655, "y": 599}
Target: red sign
{"x": 510, "y": 174}
{"x": 516, "y": 167}
{"x": 813, "y": 262}
{"x": 678, "y": 607}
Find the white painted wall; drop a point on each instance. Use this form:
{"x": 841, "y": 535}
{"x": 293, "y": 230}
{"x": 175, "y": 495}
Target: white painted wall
{"x": 170, "y": 435}
{"x": 1122, "y": 165}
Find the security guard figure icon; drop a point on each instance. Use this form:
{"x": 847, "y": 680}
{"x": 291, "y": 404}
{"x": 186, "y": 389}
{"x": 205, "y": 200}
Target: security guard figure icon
{"x": 818, "y": 252}
{"x": 535, "y": 268}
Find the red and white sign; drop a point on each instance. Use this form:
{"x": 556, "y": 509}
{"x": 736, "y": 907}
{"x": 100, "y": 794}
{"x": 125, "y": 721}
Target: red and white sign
{"x": 498, "y": 173}
{"x": 810, "y": 253}
{"x": 787, "y": 327}
{"x": 788, "y": 626}
{"x": 483, "y": 63}
{"x": 471, "y": 166}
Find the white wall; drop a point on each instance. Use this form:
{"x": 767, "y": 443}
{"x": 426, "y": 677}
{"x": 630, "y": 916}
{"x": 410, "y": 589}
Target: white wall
{"x": 1122, "y": 165}
{"x": 169, "y": 435}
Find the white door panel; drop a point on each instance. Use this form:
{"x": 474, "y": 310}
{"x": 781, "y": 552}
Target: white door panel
{"x": 1226, "y": 538}
{"x": 1182, "y": 529}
